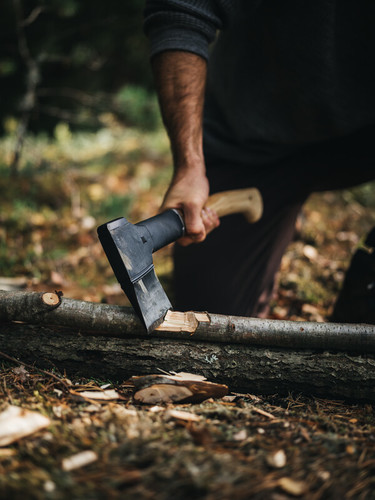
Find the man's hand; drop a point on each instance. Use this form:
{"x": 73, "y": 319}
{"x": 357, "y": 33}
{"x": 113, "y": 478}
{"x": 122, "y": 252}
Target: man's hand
{"x": 189, "y": 192}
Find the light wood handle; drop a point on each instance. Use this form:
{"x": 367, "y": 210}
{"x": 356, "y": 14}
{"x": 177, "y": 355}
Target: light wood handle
{"x": 246, "y": 201}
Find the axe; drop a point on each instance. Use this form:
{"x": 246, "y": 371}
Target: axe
{"x": 129, "y": 248}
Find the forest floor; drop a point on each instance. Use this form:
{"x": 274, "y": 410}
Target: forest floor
{"x": 242, "y": 446}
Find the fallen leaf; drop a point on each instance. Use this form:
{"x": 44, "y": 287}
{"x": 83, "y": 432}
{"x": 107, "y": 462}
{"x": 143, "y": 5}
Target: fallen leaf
{"x": 277, "y": 459}
{"x": 229, "y": 399}
{"x": 21, "y": 372}
{"x": 310, "y": 252}
{"x": 309, "y": 309}
{"x": 156, "y": 409}
{"x": 291, "y": 486}
{"x": 79, "y": 460}
{"x": 57, "y": 279}
{"x": 183, "y": 415}
{"x": 121, "y": 411}
{"x": 240, "y": 435}
{"x": 108, "y": 395}
{"x": 7, "y": 452}
{"x": 16, "y": 423}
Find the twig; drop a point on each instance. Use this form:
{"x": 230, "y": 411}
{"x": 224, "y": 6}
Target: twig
{"x": 31, "y": 367}
{"x": 35, "y": 13}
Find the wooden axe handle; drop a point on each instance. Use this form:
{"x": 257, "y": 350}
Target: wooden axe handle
{"x": 246, "y": 201}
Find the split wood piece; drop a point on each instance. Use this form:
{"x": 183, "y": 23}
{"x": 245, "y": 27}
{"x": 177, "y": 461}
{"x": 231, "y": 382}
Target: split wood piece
{"x": 103, "y": 319}
{"x": 176, "y": 321}
{"x": 243, "y": 368}
{"x": 181, "y": 388}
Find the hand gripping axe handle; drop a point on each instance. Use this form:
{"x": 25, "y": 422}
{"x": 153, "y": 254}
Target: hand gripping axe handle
{"x": 129, "y": 248}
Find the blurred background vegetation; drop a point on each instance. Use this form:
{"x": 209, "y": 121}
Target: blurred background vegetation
{"x": 70, "y": 60}
{"x": 81, "y": 140}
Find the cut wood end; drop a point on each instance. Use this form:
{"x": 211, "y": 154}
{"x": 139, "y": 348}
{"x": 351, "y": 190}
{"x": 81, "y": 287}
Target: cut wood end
{"x": 51, "y": 299}
{"x": 176, "y": 321}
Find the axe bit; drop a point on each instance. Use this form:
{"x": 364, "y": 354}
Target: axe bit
{"x": 129, "y": 248}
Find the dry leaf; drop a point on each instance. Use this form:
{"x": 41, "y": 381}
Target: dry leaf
{"x": 7, "y": 452}
{"x": 240, "y": 436}
{"x": 309, "y": 309}
{"x": 295, "y": 488}
{"x": 121, "y": 411}
{"x": 276, "y": 459}
{"x": 156, "y": 409}
{"x": 310, "y": 252}
{"x": 108, "y": 395}
{"x": 183, "y": 415}
{"x": 229, "y": 399}
{"x": 21, "y": 372}
{"x": 16, "y": 423}
{"x": 79, "y": 460}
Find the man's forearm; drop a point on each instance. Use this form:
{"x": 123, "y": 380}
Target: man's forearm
{"x": 180, "y": 79}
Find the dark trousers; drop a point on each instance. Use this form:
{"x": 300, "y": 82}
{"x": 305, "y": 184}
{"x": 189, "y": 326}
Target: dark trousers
{"x": 233, "y": 270}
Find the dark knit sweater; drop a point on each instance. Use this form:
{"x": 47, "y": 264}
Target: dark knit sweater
{"x": 282, "y": 74}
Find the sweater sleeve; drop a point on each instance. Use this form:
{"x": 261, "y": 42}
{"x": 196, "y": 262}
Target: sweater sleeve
{"x": 188, "y": 25}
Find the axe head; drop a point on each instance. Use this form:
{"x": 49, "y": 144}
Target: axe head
{"x": 129, "y": 249}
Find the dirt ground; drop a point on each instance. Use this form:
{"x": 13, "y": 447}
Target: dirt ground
{"x": 239, "y": 447}
{"x": 242, "y": 446}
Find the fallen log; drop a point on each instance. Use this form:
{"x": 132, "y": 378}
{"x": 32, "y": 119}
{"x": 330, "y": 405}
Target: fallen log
{"x": 247, "y": 354}
{"x": 115, "y": 321}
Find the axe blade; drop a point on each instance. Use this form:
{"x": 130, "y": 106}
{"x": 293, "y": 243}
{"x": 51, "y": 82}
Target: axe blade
{"x": 129, "y": 249}
{"x": 151, "y": 300}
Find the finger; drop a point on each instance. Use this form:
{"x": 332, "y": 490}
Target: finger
{"x": 210, "y": 220}
{"x": 195, "y": 228}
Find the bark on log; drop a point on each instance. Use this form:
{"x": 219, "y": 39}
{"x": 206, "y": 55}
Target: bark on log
{"x": 243, "y": 368}
{"x": 104, "y": 319}
{"x": 248, "y": 355}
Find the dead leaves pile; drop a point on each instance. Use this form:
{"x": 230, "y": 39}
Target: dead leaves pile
{"x": 94, "y": 440}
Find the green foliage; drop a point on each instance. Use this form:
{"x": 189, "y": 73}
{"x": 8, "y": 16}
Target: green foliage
{"x": 83, "y": 52}
{"x": 138, "y": 107}
{"x": 364, "y": 195}
{"x": 112, "y": 207}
